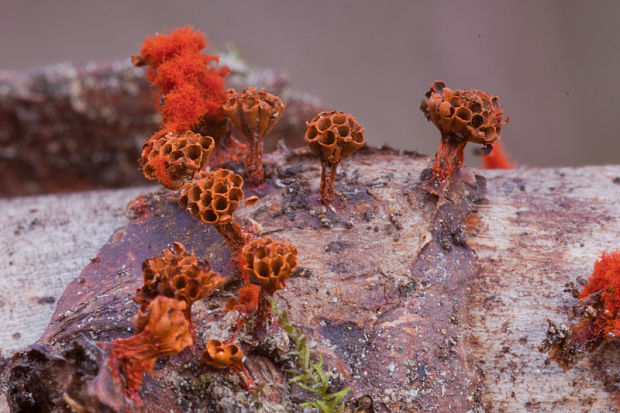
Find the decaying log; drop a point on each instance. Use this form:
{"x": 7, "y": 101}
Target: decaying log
{"x": 45, "y": 242}
{"x": 415, "y": 309}
{"x": 537, "y": 240}
{"x": 66, "y": 127}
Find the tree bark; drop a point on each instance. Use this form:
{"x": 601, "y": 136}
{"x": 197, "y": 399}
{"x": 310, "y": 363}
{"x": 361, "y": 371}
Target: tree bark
{"x": 66, "y": 127}
{"x": 414, "y": 308}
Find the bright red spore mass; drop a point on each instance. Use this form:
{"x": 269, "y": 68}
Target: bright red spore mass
{"x": 190, "y": 82}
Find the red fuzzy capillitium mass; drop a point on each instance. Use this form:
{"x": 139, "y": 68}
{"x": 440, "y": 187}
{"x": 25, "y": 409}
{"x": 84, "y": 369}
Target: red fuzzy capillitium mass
{"x": 605, "y": 280}
{"x": 497, "y": 159}
{"x": 191, "y": 84}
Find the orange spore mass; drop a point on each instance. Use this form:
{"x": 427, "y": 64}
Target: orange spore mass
{"x": 606, "y": 279}
{"x": 191, "y": 85}
{"x": 157, "y": 49}
{"x": 161, "y": 171}
{"x": 497, "y": 159}
{"x": 246, "y": 301}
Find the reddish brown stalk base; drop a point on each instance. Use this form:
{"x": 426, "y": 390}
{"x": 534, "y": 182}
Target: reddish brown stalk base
{"x": 226, "y": 151}
{"x": 448, "y": 160}
{"x": 247, "y": 380}
{"x": 328, "y": 177}
{"x": 233, "y": 236}
{"x": 245, "y": 303}
{"x": 241, "y": 268}
{"x": 192, "y": 327}
{"x": 254, "y": 161}
{"x": 263, "y": 312}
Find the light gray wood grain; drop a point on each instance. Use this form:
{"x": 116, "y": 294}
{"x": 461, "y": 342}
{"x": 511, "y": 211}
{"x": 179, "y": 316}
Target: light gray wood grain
{"x": 541, "y": 229}
{"x": 45, "y": 241}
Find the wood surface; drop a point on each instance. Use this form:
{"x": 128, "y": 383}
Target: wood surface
{"x": 538, "y": 230}
{"x": 45, "y": 242}
{"x": 541, "y": 230}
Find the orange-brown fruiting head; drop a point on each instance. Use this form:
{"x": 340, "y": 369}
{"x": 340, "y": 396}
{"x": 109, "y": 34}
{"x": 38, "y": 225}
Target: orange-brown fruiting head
{"x": 466, "y": 115}
{"x": 270, "y": 263}
{"x": 605, "y": 280}
{"x": 461, "y": 116}
{"x": 161, "y": 330}
{"x": 178, "y": 274}
{"x": 333, "y": 136}
{"x": 213, "y": 197}
{"x": 222, "y": 356}
{"x": 173, "y": 159}
{"x": 164, "y": 320}
{"x": 254, "y": 113}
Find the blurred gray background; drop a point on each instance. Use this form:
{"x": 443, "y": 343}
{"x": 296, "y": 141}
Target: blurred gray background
{"x": 554, "y": 64}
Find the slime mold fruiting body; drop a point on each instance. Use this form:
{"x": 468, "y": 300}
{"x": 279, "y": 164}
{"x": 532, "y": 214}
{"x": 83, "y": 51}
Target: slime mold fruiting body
{"x": 177, "y": 274}
{"x": 269, "y": 263}
{"x": 225, "y": 355}
{"x": 254, "y": 114}
{"x": 213, "y": 197}
{"x": 596, "y": 316}
{"x": 173, "y": 159}
{"x": 332, "y": 136}
{"x": 603, "y": 289}
{"x": 191, "y": 85}
{"x": 222, "y": 356}
{"x": 192, "y": 89}
{"x": 161, "y": 330}
{"x": 461, "y": 116}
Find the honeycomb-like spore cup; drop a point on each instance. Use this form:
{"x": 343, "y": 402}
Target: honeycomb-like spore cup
{"x": 213, "y": 197}
{"x": 469, "y": 115}
{"x": 461, "y": 116}
{"x": 332, "y": 136}
{"x": 177, "y": 274}
{"x": 173, "y": 159}
{"x": 270, "y": 263}
{"x": 222, "y": 356}
{"x": 254, "y": 113}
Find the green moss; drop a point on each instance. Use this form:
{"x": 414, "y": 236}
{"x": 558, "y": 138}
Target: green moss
{"x": 310, "y": 376}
